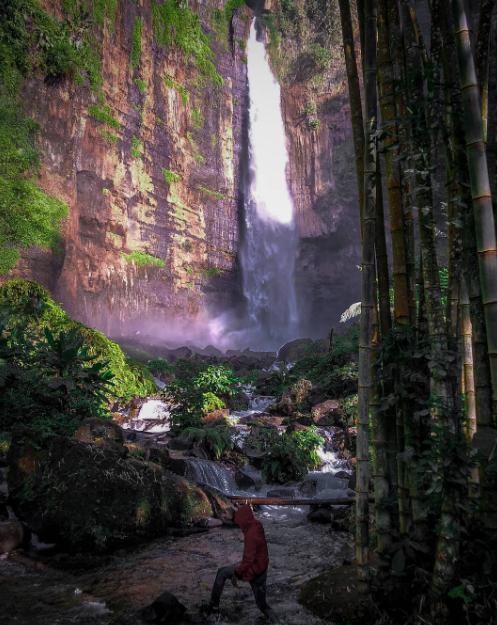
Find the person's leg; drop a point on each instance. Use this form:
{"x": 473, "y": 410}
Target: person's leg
{"x": 259, "y": 589}
{"x": 223, "y": 574}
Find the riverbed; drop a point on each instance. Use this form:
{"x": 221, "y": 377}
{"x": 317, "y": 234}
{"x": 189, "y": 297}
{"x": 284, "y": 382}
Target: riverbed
{"x": 113, "y": 590}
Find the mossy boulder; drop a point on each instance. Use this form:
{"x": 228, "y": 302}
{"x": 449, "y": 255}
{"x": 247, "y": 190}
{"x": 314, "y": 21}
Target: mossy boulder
{"x": 87, "y": 496}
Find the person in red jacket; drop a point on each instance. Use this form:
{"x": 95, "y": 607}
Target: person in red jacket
{"x": 252, "y": 568}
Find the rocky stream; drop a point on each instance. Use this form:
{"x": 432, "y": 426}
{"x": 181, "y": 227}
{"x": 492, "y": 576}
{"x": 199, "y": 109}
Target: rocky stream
{"x": 44, "y": 586}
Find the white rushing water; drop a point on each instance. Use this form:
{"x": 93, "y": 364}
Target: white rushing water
{"x": 270, "y": 241}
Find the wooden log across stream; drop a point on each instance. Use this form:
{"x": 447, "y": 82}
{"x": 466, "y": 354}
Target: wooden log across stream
{"x": 277, "y": 501}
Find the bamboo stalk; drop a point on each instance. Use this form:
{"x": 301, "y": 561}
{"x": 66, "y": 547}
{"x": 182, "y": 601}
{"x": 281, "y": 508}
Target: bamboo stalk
{"x": 481, "y": 56}
{"x": 480, "y": 187}
{"x": 354, "y": 97}
{"x": 368, "y": 290}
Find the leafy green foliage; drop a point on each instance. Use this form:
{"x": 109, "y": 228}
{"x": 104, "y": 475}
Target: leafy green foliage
{"x": 27, "y": 309}
{"x": 160, "y": 365}
{"x": 181, "y": 89}
{"x": 136, "y": 43}
{"x": 136, "y": 147}
{"x": 215, "y": 440}
{"x": 142, "y": 259}
{"x": 103, "y": 114}
{"x": 141, "y": 85}
{"x": 214, "y": 194}
{"x": 176, "y": 24}
{"x": 196, "y": 388}
{"x": 221, "y": 19}
{"x": 218, "y": 379}
{"x": 291, "y": 455}
{"x": 211, "y": 402}
{"x": 28, "y": 216}
{"x": 197, "y": 118}
{"x": 170, "y": 177}
{"x": 50, "y": 382}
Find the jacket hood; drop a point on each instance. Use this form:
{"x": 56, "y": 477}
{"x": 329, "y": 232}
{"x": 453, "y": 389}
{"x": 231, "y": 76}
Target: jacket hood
{"x": 244, "y": 517}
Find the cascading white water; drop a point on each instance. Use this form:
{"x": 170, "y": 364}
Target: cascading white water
{"x": 270, "y": 242}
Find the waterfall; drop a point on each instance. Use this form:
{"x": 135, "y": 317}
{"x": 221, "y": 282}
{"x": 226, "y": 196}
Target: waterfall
{"x": 270, "y": 241}
{"x": 212, "y": 474}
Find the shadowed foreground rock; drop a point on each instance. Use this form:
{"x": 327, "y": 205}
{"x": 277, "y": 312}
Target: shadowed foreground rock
{"x": 340, "y": 597}
{"x": 165, "y": 610}
{"x": 88, "y": 496}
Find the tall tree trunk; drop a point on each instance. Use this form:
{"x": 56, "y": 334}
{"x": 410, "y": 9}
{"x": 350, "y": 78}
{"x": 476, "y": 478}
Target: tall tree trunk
{"x": 470, "y": 260}
{"x": 354, "y": 97}
{"x": 368, "y": 289}
{"x": 383, "y": 478}
{"x": 467, "y": 350}
{"x": 389, "y": 116}
{"x": 481, "y": 56}
{"x": 442, "y": 397}
{"x": 382, "y": 271}
{"x": 480, "y": 186}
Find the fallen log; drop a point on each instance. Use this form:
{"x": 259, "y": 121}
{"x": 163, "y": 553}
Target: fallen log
{"x": 277, "y": 501}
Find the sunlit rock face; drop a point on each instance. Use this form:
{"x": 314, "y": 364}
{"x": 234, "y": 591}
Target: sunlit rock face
{"x": 123, "y": 200}
{"x": 166, "y": 185}
{"x": 321, "y": 167}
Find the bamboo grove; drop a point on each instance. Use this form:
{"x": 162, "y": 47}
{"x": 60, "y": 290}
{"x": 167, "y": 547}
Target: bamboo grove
{"x": 426, "y": 443}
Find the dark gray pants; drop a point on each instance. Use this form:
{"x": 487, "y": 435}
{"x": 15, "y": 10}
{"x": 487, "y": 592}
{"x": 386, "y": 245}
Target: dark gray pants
{"x": 258, "y": 585}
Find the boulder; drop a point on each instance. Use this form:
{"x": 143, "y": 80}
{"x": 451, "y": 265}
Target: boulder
{"x": 165, "y": 610}
{"x": 317, "y": 482}
{"x": 263, "y": 420}
{"x": 99, "y": 432}
{"x": 255, "y": 456}
{"x": 296, "y": 350}
{"x": 320, "y": 515}
{"x": 295, "y": 399}
{"x": 246, "y": 477}
{"x": 342, "y": 519}
{"x": 12, "y": 536}
{"x": 87, "y": 497}
{"x": 179, "y": 353}
{"x": 282, "y": 493}
{"x": 327, "y": 413}
{"x": 215, "y": 417}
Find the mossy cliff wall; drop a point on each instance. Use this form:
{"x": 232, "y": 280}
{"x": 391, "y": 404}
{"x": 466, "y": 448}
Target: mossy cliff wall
{"x": 150, "y": 165}
{"x": 311, "y": 67}
{"x": 150, "y": 171}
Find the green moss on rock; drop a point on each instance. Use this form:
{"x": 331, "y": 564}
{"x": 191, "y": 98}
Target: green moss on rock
{"x": 92, "y": 497}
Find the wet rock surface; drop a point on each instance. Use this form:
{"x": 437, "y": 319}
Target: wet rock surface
{"x": 129, "y": 581}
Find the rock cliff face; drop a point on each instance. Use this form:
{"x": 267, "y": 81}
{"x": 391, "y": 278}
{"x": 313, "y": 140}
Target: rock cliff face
{"x": 321, "y": 173}
{"x": 152, "y": 177}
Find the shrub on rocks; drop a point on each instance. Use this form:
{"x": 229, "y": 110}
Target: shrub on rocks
{"x": 291, "y": 455}
{"x": 55, "y": 371}
{"x": 296, "y": 398}
{"x": 88, "y": 497}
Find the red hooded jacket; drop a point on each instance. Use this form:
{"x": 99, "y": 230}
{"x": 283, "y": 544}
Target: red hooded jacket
{"x": 255, "y": 556}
